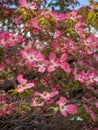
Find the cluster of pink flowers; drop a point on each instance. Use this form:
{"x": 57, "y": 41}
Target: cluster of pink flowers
{"x": 85, "y": 75}
{"x": 9, "y": 40}
{"x": 41, "y": 99}
{"x": 23, "y": 84}
{"x": 36, "y": 59}
{"x": 5, "y": 108}
{"x": 23, "y": 3}
{"x": 57, "y": 57}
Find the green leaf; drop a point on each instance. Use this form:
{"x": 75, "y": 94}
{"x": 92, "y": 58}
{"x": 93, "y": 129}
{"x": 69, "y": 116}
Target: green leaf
{"x": 13, "y": 91}
{"x": 27, "y": 108}
{"x": 22, "y": 95}
{"x": 87, "y": 83}
{"x": 55, "y": 109}
{"x": 90, "y": 15}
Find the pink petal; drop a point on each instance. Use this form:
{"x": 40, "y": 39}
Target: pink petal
{"x": 33, "y": 64}
{"x": 74, "y": 13}
{"x": 41, "y": 69}
{"x": 19, "y": 76}
{"x": 33, "y": 6}
{"x": 58, "y": 63}
{"x": 20, "y": 89}
{"x": 91, "y": 38}
{"x": 34, "y": 22}
{"x": 86, "y": 108}
{"x": 64, "y": 57}
{"x": 51, "y": 69}
{"x": 63, "y": 16}
{"x": 21, "y": 80}
{"x": 32, "y": 52}
{"x": 65, "y": 66}
{"x": 72, "y": 109}
{"x": 44, "y": 81}
{"x": 29, "y": 85}
{"x": 55, "y": 45}
{"x": 19, "y": 39}
{"x": 64, "y": 113}
{"x": 78, "y": 24}
{"x": 52, "y": 56}
{"x": 92, "y": 114}
{"x": 46, "y": 63}
{"x": 38, "y": 94}
{"x": 62, "y": 100}
{"x": 52, "y": 94}
{"x": 24, "y": 53}
{"x": 40, "y": 57}
{"x": 22, "y": 2}
{"x": 29, "y": 63}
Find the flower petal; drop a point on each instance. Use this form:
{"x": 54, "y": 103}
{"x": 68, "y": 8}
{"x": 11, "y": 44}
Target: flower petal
{"x": 52, "y": 94}
{"x": 62, "y": 100}
{"x": 64, "y": 57}
{"x": 41, "y": 69}
{"x": 92, "y": 114}
{"x": 24, "y": 53}
{"x": 52, "y": 56}
{"x": 65, "y": 66}
{"x": 22, "y": 2}
{"x": 29, "y": 85}
{"x": 71, "y": 109}
{"x": 64, "y": 113}
{"x": 51, "y": 69}
{"x": 21, "y": 80}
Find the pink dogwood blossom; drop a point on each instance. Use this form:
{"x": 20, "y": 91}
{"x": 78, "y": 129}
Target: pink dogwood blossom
{"x": 9, "y": 40}
{"x": 32, "y": 57}
{"x": 46, "y": 95}
{"x": 42, "y": 65}
{"x": 23, "y": 84}
{"x": 37, "y": 102}
{"x": 53, "y": 63}
{"x": 64, "y": 109}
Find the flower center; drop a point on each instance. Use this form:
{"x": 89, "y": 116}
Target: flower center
{"x": 31, "y": 58}
{"x": 45, "y": 94}
{"x": 52, "y": 64}
{"x": 23, "y": 85}
{"x": 62, "y": 107}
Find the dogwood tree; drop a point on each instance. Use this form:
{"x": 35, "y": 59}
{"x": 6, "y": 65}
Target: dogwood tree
{"x": 48, "y": 60}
